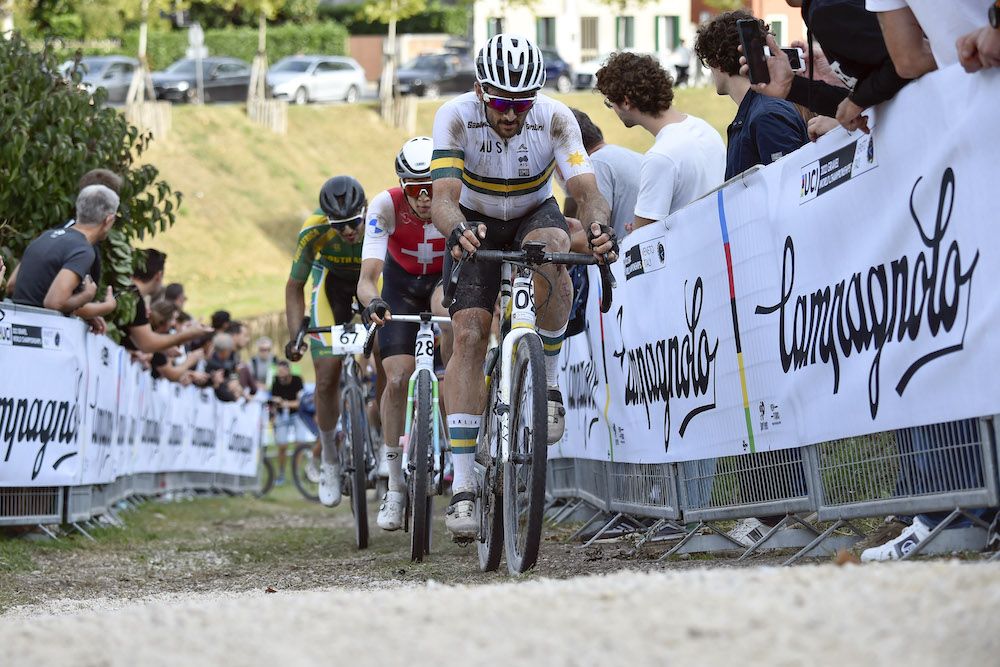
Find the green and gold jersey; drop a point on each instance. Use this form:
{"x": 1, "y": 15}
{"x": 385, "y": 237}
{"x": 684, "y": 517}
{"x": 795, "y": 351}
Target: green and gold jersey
{"x": 322, "y": 245}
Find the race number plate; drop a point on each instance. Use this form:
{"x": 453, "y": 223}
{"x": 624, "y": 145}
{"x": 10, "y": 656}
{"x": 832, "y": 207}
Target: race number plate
{"x": 344, "y": 340}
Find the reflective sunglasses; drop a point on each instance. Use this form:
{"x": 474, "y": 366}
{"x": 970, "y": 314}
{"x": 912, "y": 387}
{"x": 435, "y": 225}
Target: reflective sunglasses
{"x": 415, "y": 190}
{"x": 505, "y": 104}
{"x": 344, "y": 223}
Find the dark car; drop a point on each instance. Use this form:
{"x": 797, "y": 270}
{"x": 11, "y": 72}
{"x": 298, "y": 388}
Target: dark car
{"x": 558, "y": 73}
{"x": 223, "y": 79}
{"x": 431, "y": 74}
{"x": 113, "y": 73}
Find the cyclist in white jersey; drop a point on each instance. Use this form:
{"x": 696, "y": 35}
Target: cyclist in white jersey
{"x": 495, "y": 150}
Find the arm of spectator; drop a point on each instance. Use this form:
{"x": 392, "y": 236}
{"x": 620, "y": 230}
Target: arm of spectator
{"x": 12, "y": 280}
{"x": 656, "y": 188}
{"x": 3, "y": 270}
{"x": 193, "y": 357}
{"x": 909, "y": 49}
{"x": 980, "y": 49}
{"x": 98, "y": 308}
{"x": 594, "y": 211}
{"x": 817, "y": 96}
{"x": 60, "y": 295}
{"x": 821, "y": 70}
{"x": 169, "y": 371}
{"x": 820, "y": 125}
{"x": 147, "y": 340}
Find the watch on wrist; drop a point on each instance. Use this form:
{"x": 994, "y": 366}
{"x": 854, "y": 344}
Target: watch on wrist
{"x": 994, "y": 15}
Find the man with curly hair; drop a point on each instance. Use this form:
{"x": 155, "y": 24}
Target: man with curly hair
{"x": 765, "y": 128}
{"x": 687, "y": 158}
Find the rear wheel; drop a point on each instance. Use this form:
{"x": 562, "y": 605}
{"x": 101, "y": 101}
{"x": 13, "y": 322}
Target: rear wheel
{"x": 302, "y": 463}
{"x": 420, "y": 465}
{"x": 489, "y": 506}
{"x": 265, "y": 477}
{"x": 357, "y": 440}
{"x": 524, "y": 473}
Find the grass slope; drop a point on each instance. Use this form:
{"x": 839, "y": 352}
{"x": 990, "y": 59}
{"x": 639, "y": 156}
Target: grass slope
{"x": 246, "y": 190}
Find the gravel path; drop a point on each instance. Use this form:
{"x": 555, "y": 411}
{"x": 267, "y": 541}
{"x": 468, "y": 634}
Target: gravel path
{"x": 928, "y": 613}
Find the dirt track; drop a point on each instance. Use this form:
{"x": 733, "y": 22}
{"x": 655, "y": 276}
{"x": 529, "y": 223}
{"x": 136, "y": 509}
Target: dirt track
{"x": 915, "y": 614}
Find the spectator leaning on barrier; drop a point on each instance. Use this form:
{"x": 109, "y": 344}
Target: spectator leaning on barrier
{"x": 853, "y": 44}
{"x": 163, "y": 318}
{"x": 765, "y": 128}
{"x": 140, "y": 335}
{"x": 261, "y": 367}
{"x": 174, "y": 293}
{"x": 688, "y": 157}
{"x": 55, "y": 271}
{"x": 980, "y": 49}
{"x": 220, "y": 319}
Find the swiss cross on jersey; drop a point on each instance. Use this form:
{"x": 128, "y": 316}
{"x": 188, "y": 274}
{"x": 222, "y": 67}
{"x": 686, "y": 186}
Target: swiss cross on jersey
{"x": 415, "y": 244}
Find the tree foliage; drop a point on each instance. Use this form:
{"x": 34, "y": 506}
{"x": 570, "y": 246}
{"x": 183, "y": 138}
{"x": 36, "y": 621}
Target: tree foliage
{"x": 53, "y": 134}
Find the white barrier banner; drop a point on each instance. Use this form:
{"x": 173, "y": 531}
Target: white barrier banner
{"x": 175, "y": 437}
{"x": 238, "y": 434}
{"x": 43, "y": 364}
{"x": 844, "y": 290}
{"x": 203, "y": 454}
{"x": 100, "y": 417}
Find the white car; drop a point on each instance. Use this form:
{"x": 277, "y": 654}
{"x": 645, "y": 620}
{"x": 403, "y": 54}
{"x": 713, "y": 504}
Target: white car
{"x": 585, "y": 74}
{"x": 304, "y": 79}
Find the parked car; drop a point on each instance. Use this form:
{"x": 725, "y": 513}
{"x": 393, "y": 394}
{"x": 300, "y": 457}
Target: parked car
{"x": 223, "y": 79}
{"x": 558, "y": 73}
{"x": 113, "y": 73}
{"x": 304, "y": 79}
{"x": 431, "y": 74}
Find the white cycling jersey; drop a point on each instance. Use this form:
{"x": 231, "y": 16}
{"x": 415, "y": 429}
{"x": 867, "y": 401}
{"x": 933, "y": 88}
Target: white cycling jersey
{"x": 506, "y": 179}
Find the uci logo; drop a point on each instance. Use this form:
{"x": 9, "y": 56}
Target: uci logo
{"x": 810, "y": 182}
{"x": 6, "y": 335}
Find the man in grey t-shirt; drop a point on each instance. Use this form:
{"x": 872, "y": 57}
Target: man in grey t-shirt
{"x": 617, "y": 172}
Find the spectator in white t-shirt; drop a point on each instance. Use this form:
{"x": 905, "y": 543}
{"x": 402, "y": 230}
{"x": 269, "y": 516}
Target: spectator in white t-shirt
{"x": 688, "y": 157}
{"x": 906, "y": 22}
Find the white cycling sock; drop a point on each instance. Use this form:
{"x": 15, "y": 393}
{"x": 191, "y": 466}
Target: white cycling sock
{"x": 328, "y": 439}
{"x": 394, "y": 458}
{"x": 552, "y": 343}
{"x": 463, "y": 429}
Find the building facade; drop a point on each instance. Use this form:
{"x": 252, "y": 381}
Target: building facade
{"x": 581, "y": 30}
{"x": 786, "y": 22}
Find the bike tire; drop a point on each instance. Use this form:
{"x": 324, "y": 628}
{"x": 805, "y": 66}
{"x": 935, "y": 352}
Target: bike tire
{"x": 524, "y": 473}
{"x": 489, "y": 502}
{"x": 419, "y": 462}
{"x": 300, "y": 462}
{"x": 357, "y": 438}
{"x": 265, "y": 478}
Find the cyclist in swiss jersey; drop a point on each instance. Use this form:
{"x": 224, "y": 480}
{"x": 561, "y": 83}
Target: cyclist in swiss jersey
{"x": 328, "y": 250}
{"x": 404, "y": 247}
{"x": 495, "y": 150}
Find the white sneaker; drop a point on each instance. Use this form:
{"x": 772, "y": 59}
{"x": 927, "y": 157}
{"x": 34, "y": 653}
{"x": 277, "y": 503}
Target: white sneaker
{"x": 557, "y": 416}
{"x": 329, "y": 484}
{"x": 390, "y": 512}
{"x": 312, "y": 469}
{"x": 899, "y": 547}
{"x": 748, "y": 532}
{"x": 460, "y": 519}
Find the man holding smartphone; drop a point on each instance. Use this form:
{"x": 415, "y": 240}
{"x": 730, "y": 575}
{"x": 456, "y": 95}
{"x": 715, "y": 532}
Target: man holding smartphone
{"x": 765, "y": 128}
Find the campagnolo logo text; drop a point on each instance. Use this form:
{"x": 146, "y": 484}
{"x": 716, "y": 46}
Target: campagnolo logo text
{"x": 40, "y": 422}
{"x": 679, "y": 367}
{"x": 880, "y": 305}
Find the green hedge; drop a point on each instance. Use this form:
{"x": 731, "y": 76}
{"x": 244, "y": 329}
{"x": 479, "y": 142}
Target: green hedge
{"x": 452, "y": 20}
{"x": 326, "y": 38}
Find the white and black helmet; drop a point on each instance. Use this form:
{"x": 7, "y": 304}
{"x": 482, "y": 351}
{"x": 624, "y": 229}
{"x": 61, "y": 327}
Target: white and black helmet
{"x": 511, "y": 63}
{"x": 414, "y": 158}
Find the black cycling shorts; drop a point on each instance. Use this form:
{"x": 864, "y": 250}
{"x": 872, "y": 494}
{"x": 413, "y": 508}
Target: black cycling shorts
{"x": 341, "y": 289}
{"x": 406, "y": 294}
{"x": 479, "y": 284}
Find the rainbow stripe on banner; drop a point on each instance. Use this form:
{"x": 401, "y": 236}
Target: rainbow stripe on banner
{"x": 736, "y": 319}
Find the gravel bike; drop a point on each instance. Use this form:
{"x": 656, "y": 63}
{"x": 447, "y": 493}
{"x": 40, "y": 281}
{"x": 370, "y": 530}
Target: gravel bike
{"x": 512, "y": 445}
{"x": 358, "y": 458}
{"x": 427, "y": 435}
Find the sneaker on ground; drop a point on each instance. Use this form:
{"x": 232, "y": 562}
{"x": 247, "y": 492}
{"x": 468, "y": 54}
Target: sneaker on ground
{"x": 557, "y": 415}
{"x": 748, "y": 531}
{"x": 897, "y": 548}
{"x": 390, "y": 512}
{"x": 312, "y": 470}
{"x": 280, "y": 481}
{"x": 460, "y": 519}
{"x": 329, "y": 484}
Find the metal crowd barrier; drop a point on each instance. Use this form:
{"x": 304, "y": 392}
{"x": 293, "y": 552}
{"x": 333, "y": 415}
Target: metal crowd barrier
{"x": 949, "y": 471}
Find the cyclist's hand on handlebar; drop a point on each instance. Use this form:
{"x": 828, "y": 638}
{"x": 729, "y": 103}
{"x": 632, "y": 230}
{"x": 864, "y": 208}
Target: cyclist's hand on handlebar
{"x": 293, "y": 354}
{"x": 465, "y": 238}
{"x": 603, "y": 242}
{"x": 376, "y": 311}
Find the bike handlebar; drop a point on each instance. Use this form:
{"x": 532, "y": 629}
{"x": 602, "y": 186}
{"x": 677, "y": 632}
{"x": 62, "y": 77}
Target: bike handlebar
{"x": 369, "y": 335}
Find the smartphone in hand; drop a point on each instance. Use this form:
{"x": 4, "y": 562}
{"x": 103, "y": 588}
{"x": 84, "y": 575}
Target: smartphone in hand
{"x": 752, "y": 40}
{"x": 795, "y": 59}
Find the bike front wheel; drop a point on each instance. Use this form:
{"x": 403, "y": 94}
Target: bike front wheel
{"x": 524, "y": 473}
{"x": 421, "y": 466}
{"x": 489, "y": 502}
{"x": 357, "y": 440}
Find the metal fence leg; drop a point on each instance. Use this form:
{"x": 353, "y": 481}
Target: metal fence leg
{"x": 684, "y": 540}
{"x": 48, "y": 532}
{"x": 950, "y": 519}
{"x": 819, "y": 539}
{"x": 608, "y": 526}
{"x": 566, "y": 511}
{"x": 581, "y": 529}
{"x": 647, "y": 535}
{"x": 80, "y": 530}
